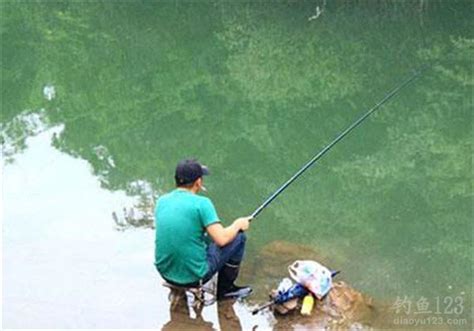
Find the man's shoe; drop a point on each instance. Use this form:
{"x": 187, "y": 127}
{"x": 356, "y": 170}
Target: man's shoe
{"x": 235, "y": 292}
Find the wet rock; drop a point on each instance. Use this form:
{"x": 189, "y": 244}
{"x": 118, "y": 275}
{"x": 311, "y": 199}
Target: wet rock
{"x": 345, "y": 303}
{"x": 343, "y": 308}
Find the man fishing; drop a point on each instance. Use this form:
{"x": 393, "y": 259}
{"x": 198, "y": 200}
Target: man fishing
{"x": 191, "y": 244}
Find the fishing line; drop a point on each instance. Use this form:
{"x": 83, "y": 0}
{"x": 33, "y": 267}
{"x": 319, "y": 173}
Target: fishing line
{"x": 351, "y": 127}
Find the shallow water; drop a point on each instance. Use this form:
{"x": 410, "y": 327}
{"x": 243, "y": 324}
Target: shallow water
{"x": 252, "y": 90}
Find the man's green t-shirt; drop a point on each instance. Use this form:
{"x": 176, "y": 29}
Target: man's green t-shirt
{"x": 180, "y": 243}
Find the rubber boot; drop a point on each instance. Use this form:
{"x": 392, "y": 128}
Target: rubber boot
{"x": 226, "y": 289}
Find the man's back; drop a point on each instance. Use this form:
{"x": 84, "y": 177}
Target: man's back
{"x": 180, "y": 244}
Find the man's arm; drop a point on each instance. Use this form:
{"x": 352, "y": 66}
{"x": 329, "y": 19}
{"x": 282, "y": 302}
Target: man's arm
{"x": 222, "y": 236}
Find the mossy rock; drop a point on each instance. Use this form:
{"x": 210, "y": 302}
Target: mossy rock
{"x": 343, "y": 308}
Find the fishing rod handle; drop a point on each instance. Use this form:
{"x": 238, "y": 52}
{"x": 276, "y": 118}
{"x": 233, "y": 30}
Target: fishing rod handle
{"x": 265, "y": 305}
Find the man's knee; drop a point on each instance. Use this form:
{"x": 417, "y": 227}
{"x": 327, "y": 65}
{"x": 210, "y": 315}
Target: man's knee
{"x": 241, "y": 238}
{"x": 238, "y": 249}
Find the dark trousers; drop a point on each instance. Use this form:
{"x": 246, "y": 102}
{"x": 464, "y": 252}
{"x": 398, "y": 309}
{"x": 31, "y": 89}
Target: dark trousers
{"x": 218, "y": 257}
{"x": 230, "y": 254}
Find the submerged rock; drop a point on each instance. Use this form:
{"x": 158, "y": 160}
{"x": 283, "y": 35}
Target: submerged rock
{"x": 275, "y": 257}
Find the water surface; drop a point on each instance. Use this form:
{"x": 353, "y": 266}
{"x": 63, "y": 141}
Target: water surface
{"x": 252, "y": 90}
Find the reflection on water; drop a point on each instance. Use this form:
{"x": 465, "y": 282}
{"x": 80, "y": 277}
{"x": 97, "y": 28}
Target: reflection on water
{"x": 252, "y": 89}
{"x": 14, "y": 133}
{"x": 182, "y": 318}
{"x": 141, "y": 215}
{"x": 64, "y": 265}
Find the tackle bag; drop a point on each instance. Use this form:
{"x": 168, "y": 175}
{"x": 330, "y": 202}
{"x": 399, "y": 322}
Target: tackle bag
{"x": 312, "y": 275}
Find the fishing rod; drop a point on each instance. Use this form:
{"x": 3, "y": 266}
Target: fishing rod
{"x": 351, "y": 127}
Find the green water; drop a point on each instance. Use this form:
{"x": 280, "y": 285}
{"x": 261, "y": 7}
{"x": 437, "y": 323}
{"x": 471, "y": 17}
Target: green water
{"x": 254, "y": 90}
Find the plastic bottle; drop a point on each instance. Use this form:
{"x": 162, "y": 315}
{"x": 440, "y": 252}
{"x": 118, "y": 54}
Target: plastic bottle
{"x": 308, "y": 303}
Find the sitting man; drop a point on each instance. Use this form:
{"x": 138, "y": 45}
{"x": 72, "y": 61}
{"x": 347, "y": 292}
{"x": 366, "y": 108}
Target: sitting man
{"x": 185, "y": 222}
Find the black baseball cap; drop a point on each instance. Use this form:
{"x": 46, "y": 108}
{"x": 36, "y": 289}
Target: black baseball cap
{"x": 188, "y": 171}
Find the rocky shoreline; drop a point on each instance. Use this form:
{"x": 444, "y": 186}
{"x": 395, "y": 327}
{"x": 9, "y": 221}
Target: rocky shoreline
{"x": 343, "y": 308}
